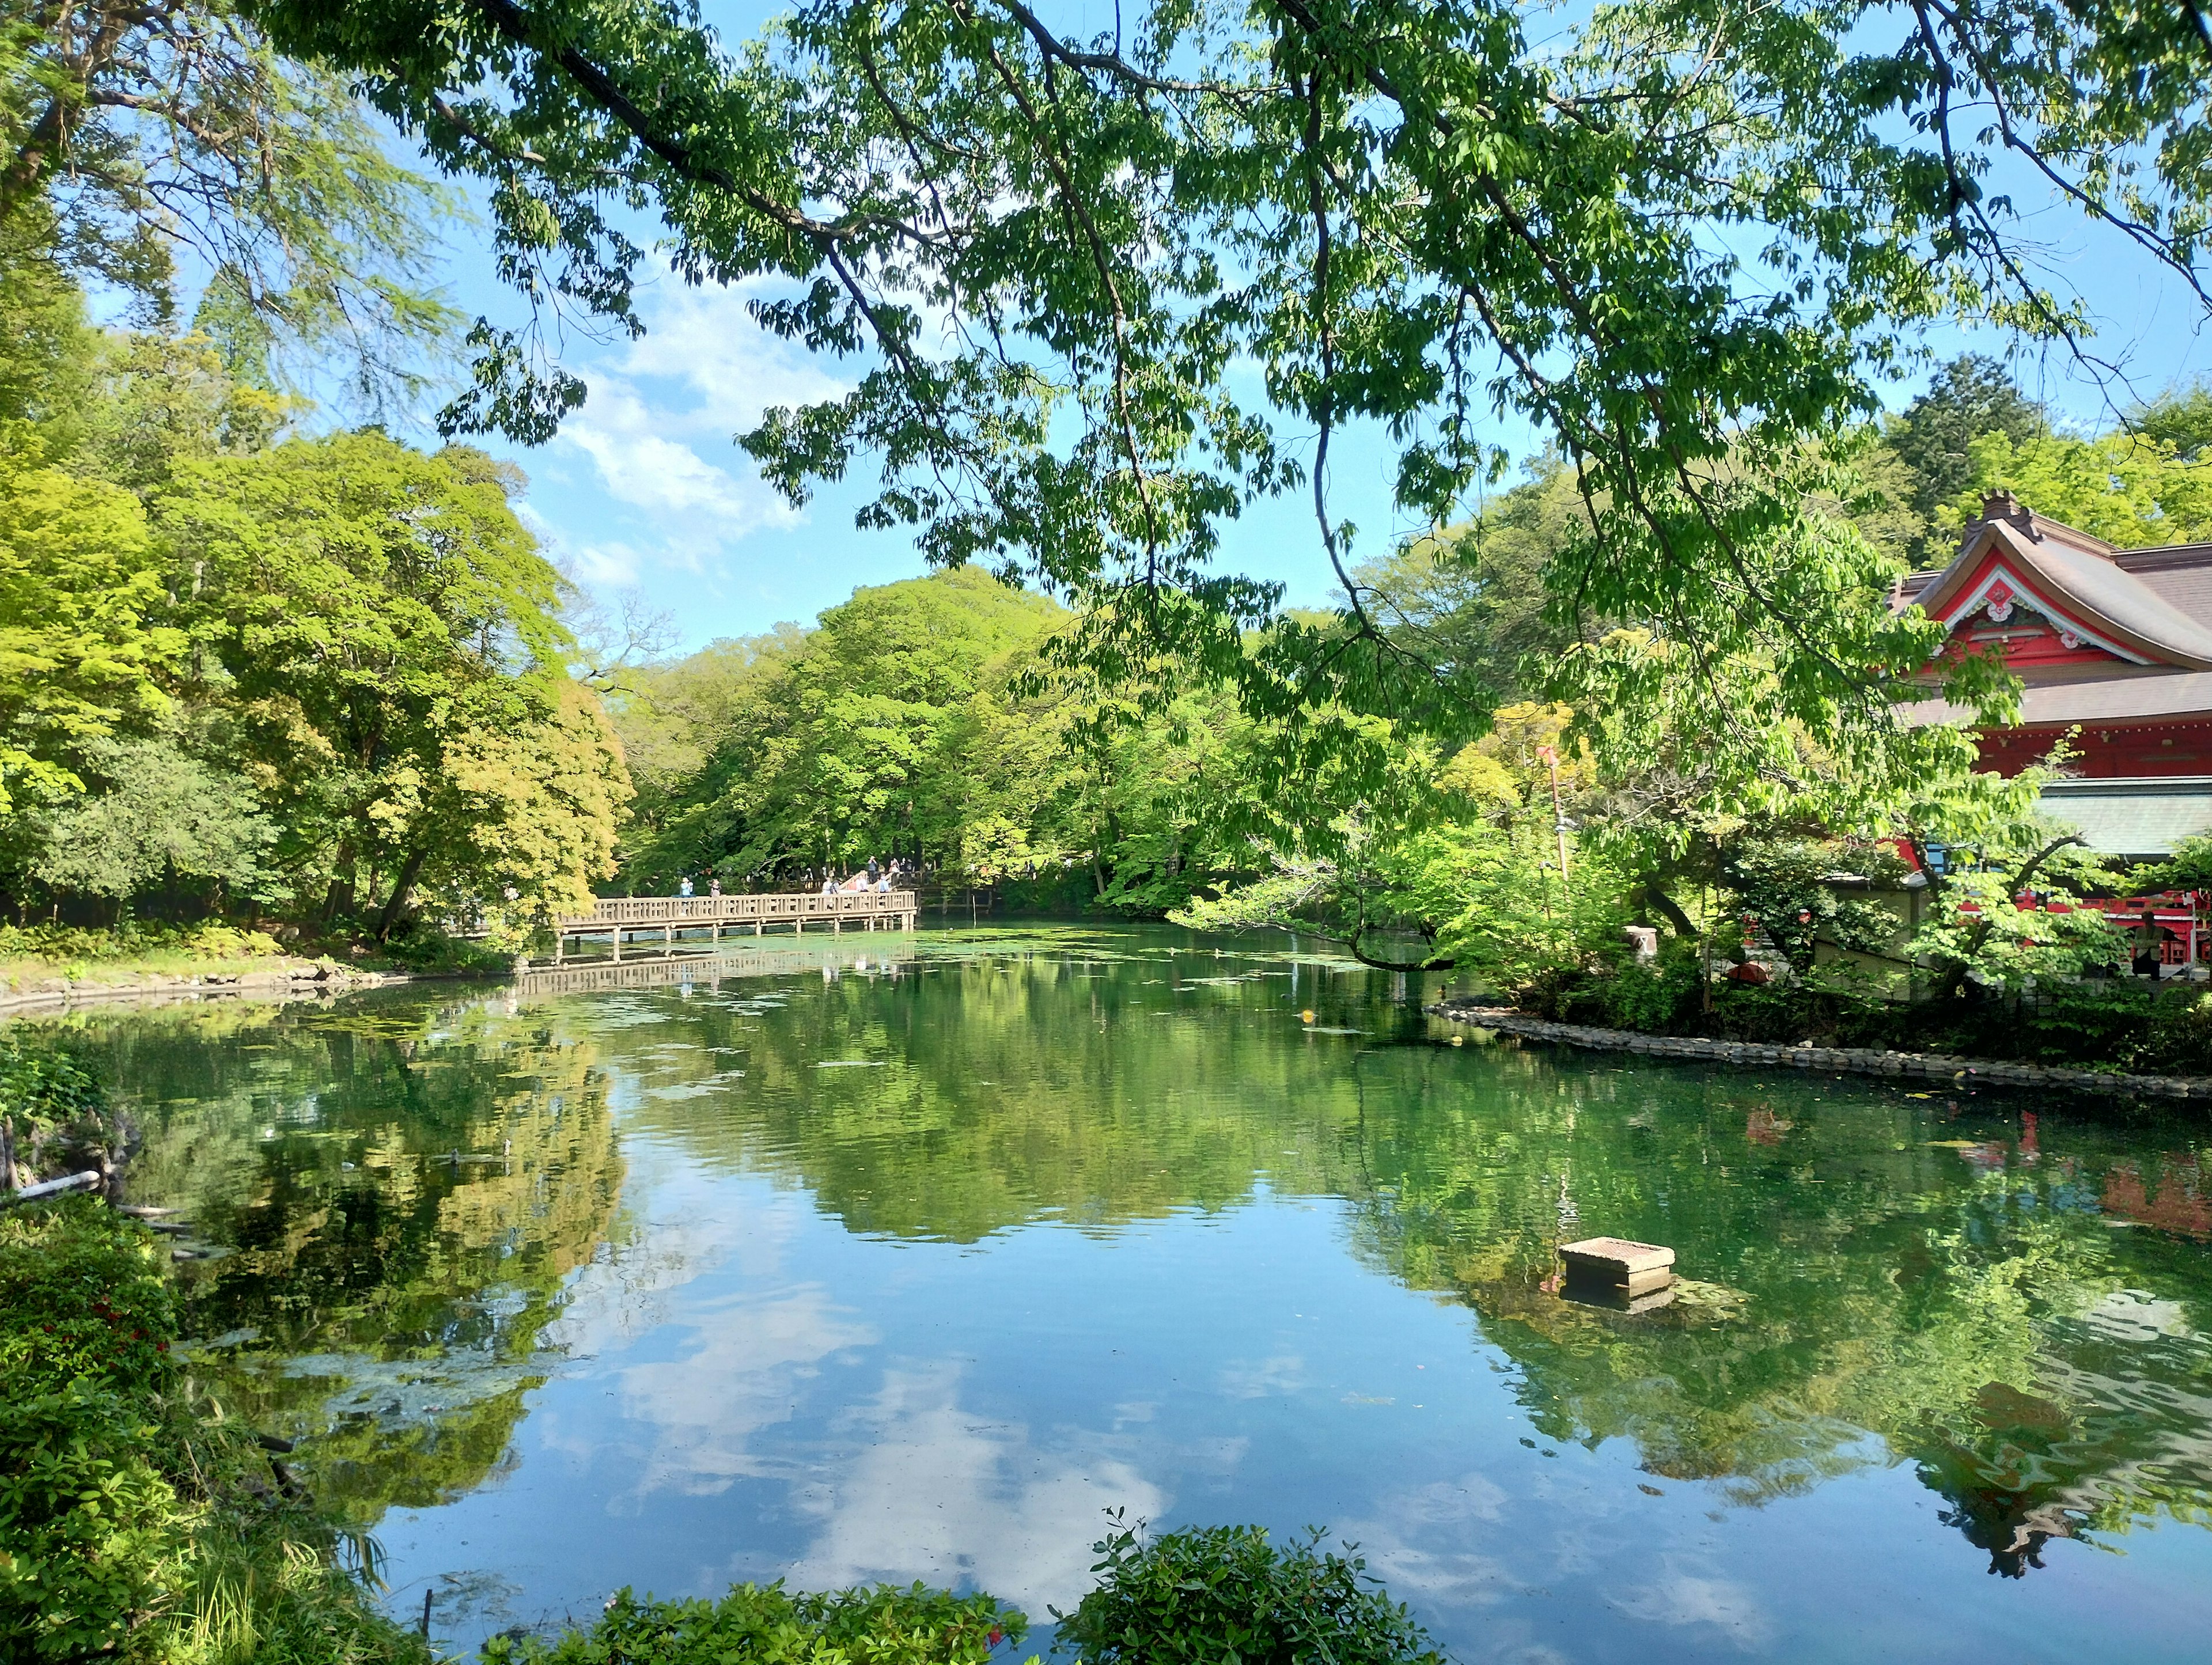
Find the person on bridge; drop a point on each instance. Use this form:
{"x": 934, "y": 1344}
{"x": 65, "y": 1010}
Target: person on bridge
{"x": 684, "y": 888}
{"x": 828, "y": 883}
{"x": 714, "y": 887}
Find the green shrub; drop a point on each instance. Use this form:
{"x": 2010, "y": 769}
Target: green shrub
{"x": 131, "y": 1527}
{"x": 83, "y": 1300}
{"x": 2177, "y": 1038}
{"x": 40, "y": 1087}
{"x": 1225, "y": 1594}
{"x": 91, "y": 1532}
{"x": 425, "y": 949}
{"x": 69, "y": 946}
{"x": 92, "y": 1537}
{"x": 51, "y": 1111}
{"x": 766, "y": 1624}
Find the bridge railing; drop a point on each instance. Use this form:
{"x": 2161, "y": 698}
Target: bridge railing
{"x": 616, "y": 911}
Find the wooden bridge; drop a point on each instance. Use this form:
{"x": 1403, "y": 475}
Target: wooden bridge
{"x": 675, "y": 920}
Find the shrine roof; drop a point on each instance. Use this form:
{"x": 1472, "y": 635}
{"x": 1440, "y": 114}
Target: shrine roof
{"x": 2117, "y": 594}
{"x": 2107, "y": 699}
{"x": 2139, "y": 818}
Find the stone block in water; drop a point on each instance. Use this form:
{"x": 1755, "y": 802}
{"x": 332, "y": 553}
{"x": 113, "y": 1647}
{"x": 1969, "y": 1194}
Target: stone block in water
{"x": 1617, "y": 1263}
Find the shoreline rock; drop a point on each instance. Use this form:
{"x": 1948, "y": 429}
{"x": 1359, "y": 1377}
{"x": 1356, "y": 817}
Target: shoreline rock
{"x": 1855, "y": 1060}
{"x": 282, "y": 980}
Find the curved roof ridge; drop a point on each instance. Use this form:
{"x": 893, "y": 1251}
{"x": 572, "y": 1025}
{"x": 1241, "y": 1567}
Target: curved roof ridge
{"x": 2106, "y": 595}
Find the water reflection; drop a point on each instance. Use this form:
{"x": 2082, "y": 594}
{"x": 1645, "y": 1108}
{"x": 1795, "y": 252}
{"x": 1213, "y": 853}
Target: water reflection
{"x": 404, "y": 1193}
{"x": 919, "y": 1265}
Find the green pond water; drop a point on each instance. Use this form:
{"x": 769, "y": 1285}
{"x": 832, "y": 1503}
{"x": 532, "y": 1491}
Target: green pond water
{"x": 899, "y": 1258}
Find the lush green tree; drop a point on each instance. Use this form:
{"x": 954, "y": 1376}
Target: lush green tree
{"x": 45, "y": 342}
{"x": 1473, "y": 596}
{"x": 1687, "y": 247}
{"x": 1787, "y": 887}
{"x": 1472, "y": 879}
{"x": 689, "y": 729}
{"x": 386, "y": 633}
{"x": 518, "y": 824}
{"x": 159, "y": 815}
{"x": 1972, "y": 396}
{"x": 140, "y": 143}
{"x": 895, "y": 727}
{"x": 2181, "y": 418}
{"x": 2130, "y": 490}
{"x": 81, "y": 657}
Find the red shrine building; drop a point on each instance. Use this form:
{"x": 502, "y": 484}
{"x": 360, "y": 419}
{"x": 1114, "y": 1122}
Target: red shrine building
{"x": 2112, "y": 646}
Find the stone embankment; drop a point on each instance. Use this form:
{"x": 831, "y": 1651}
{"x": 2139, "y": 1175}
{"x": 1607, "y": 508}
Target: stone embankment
{"x": 284, "y": 980}
{"x": 1907, "y": 1066}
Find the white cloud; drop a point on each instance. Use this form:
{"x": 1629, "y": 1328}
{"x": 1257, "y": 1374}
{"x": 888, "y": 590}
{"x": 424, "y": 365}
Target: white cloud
{"x": 704, "y": 338}
{"x": 659, "y": 432}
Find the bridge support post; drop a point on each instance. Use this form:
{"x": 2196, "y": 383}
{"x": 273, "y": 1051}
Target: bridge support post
{"x": 614, "y": 936}
{"x": 756, "y": 927}
{"x": 668, "y": 939}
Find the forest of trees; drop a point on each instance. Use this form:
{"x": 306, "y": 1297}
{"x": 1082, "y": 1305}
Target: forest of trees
{"x": 252, "y": 668}
{"x": 264, "y": 657}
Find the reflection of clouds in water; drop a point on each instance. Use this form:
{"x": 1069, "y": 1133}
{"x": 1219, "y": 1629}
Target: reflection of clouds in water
{"x": 695, "y": 1226}
{"x": 1423, "y": 1541}
{"x": 730, "y": 1365}
{"x": 1679, "y": 1597}
{"x": 1452, "y": 1545}
{"x": 934, "y": 1493}
{"x": 1286, "y": 1373}
{"x": 741, "y": 1375}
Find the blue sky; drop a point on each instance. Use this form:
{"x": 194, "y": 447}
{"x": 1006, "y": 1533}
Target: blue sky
{"x": 645, "y": 489}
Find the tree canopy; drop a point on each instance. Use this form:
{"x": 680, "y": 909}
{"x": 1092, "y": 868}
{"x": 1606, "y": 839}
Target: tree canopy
{"x": 168, "y": 152}
{"x": 1104, "y": 293}
{"x": 242, "y": 666}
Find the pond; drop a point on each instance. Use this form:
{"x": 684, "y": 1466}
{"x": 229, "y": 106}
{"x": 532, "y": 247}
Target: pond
{"x": 904, "y": 1258}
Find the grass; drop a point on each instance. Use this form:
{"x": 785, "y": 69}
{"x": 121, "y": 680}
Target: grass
{"x": 31, "y": 957}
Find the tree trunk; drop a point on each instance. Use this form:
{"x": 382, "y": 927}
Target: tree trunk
{"x": 340, "y": 898}
{"x": 1675, "y": 918}
{"x": 403, "y": 886}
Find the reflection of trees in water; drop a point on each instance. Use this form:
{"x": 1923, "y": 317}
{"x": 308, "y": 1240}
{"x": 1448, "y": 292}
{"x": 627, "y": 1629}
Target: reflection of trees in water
{"x": 1972, "y": 1311}
{"x": 402, "y": 1190}
{"x": 1877, "y": 1285}
{"x": 1880, "y": 1282}
{"x": 952, "y": 1101}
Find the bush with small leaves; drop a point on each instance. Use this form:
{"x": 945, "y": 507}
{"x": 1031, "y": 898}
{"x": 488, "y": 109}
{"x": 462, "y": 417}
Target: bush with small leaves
{"x": 766, "y": 1625}
{"x": 1226, "y": 1595}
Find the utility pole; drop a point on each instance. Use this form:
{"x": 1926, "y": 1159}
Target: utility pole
{"x": 1551, "y": 756}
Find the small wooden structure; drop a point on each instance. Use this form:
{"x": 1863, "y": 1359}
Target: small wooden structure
{"x": 1623, "y": 1267}
{"x": 625, "y": 919}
